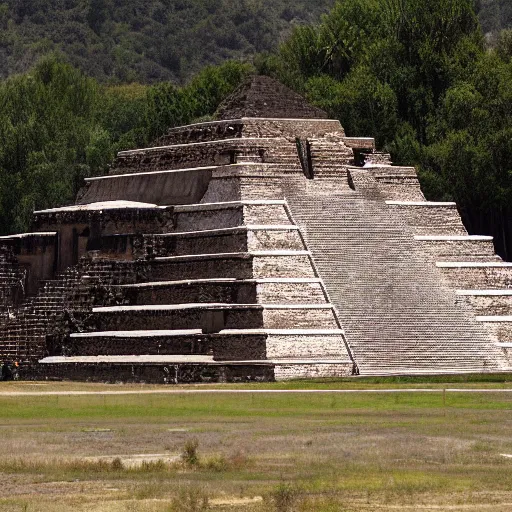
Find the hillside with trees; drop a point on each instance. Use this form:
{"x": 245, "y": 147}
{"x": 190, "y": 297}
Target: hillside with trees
{"x": 494, "y": 15}
{"x": 148, "y": 41}
{"x": 145, "y": 40}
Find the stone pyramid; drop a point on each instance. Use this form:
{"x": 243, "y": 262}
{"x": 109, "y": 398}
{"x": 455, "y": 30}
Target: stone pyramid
{"x": 265, "y": 246}
{"x": 264, "y": 97}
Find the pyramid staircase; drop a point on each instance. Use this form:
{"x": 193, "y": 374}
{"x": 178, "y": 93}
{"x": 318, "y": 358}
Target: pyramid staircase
{"x": 214, "y": 256}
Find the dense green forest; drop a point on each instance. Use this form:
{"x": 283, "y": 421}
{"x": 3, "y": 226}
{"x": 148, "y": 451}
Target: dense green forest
{"x": 153, "y": 40}
{"x": 495, "y": 15}
{"x": 145, "y": 40}
{"x": 419, "y": 76}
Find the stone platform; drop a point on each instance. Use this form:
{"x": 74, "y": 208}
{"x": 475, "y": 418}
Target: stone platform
{"x": 251, "y": 248}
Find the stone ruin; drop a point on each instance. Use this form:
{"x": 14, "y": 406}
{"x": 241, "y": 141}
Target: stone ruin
{"x": 265, "y": 245}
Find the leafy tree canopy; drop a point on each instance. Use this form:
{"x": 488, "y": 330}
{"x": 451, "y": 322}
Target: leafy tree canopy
{"x": 419, "y": 77}
{"x": 145, "y": 40}
{"x": 59, "y": 126}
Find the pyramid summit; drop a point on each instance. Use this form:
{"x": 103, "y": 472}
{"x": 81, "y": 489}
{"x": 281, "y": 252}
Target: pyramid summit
{"x": 266, "y": 245}
{"x": 264, "y": 97}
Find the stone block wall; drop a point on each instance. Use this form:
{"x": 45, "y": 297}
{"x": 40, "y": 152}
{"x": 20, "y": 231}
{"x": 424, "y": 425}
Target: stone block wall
{"x": 160, "y": 188}
{"x": 296, "y": 370}
{"x": 215, "y": 153}
{"x": 431, "y": 219}
{"x": 458, "y": 250}
{"x": 283, "y": 266}
{"x": 148, "y": 373}
{"x": 487, "y": 305}
{"x": 299, "y": 318}
{"x": 489, "y": 278}
{"x": 237, "y": 266}
{"x": 200, "y": 344}
{"x": 305, "y": 346}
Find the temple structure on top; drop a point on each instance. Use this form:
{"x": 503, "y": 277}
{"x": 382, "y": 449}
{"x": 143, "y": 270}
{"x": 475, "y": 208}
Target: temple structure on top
{"x": 264, "y": 245}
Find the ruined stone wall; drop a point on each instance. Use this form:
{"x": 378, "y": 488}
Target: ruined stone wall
{"x": 36, "y": 254}
{"x": 159, "y": 188}
{"x": 39, "y": 326}
{"x": 250, "y": 128}
{"x": 148, "y": 373}
{"x": 224, "y": 152}
{"x": 12, "y": 279}
{"x": 202, "y": 132}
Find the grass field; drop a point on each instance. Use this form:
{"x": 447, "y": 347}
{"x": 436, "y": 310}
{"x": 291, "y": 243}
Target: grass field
{"x": 259, "y": 452}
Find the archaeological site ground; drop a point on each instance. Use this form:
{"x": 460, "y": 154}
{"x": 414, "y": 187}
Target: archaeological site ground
{"x": 266, "y": 245}
{"x": 427, "y": 450}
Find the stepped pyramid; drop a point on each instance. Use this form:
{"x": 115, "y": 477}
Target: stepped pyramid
{"x": 264, "y": 245}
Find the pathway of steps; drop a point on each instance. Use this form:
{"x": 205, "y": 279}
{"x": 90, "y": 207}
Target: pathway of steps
{"x": 397, "y": 314}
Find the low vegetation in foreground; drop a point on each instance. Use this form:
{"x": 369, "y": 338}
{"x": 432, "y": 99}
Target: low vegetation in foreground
{"x": 427, "y": 450}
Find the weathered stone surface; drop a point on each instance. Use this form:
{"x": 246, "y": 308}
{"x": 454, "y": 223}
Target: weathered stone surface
{"x": 250, "y": 127}
{"x": 261, "y": 96}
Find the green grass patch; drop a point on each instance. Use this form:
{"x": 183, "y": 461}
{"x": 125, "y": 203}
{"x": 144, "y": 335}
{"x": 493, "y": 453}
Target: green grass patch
{"x": 233, "y": 406}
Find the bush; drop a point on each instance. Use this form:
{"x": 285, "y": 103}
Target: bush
{"x": 190, "y": 499}
{"x": 189, "y": 455}
{"x": 284, "y": 498}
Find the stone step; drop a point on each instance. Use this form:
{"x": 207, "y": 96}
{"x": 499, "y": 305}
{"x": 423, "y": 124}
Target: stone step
{"x": 203, "y": 154}
{"x": 242, "y": 291}
{"x": 487, "y": 302}
{"x": 245, "y": 265}
{"x": 227, "y": 240}
{"x": 248, "y": 127}
{"x": 254, "y": 344}
{"x": 213, "y": 317}
{"x": 175, "y": 186}
{"x": 151, "y": 370}
{"x": 201, "y": 217}
{"x": 458, "y": 247}
{"x": 430, "y": 217}
{"x": 477, "y": 275}
{"x": 173, "y": 371}
{"x": 499, "y": 325}
{"x": 123, "y": 217}
{"x": 164, "y": 187}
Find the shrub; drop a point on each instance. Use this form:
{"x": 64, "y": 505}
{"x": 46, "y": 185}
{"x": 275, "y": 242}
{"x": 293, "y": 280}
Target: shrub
{"x": 190, "y": 499}
{"x": 284, "y": 498}
{"x": 189, "y": 455}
